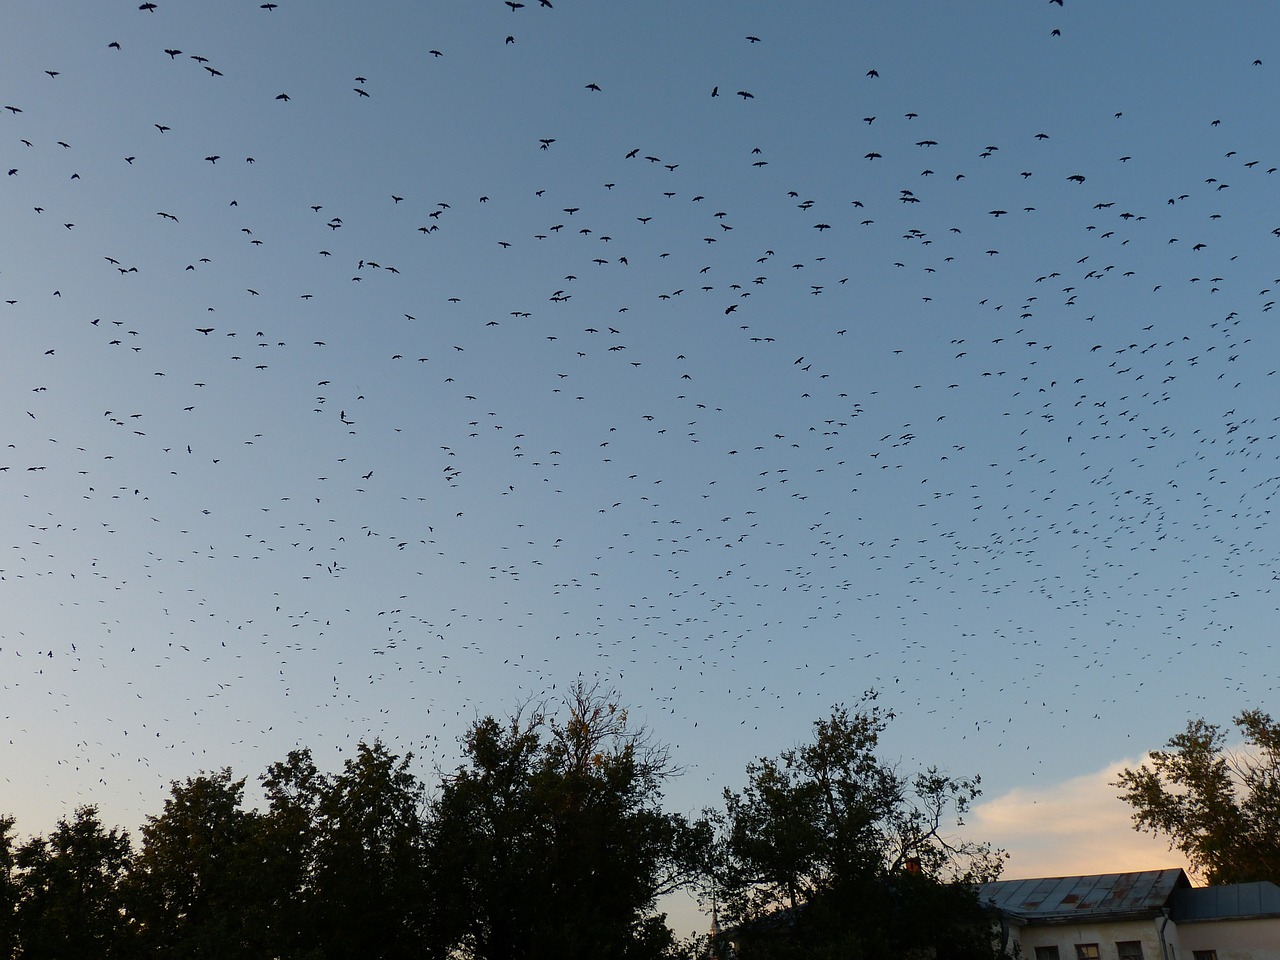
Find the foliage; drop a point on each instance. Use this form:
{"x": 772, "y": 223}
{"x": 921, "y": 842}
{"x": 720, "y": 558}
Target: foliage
{"x": 829, "y": 850}
{"x": 549, "y": 840}
{"x": 288, "y": 838}
{"x": 70, "y": 903}
{"x": 1220, "y": 808}
{"x": 552, "y": 839}
{"x": 345, "y": 857}
{"x": 194, "y": 884}
{"x": 369, "y": 881}
{"x": 9, "y": 888}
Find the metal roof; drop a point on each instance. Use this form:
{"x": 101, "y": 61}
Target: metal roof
{"x": 1072, "y": 899}
{"x": 1230, "y": 901}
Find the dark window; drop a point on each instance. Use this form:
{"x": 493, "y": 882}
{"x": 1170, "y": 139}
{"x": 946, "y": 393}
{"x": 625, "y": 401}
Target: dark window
{"x": 1205, "y": 954}
{"x": 1048, "y": 953}
{"x": 1087, "y": 951}
{"x": 1129, "y": 949}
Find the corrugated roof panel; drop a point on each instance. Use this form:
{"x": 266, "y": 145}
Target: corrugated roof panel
{"x": 1062, "y": 898}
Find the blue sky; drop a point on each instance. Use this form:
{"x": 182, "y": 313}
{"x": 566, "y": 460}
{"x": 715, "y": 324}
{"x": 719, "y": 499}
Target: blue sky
{"x": 940, "y": 365}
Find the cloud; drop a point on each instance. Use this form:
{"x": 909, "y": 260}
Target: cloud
{"x": 1074, "y": 828}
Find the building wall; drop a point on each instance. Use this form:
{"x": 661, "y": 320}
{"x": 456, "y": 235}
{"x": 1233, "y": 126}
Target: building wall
{"x": 1105, "y": 934}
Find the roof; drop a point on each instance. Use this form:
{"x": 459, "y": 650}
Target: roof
{"x": 1074, "y": 899}
{"x": 1232, "y": 901}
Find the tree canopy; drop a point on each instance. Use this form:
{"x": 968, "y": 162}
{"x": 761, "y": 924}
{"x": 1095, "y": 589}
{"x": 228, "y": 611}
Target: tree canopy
{"x": 549, "y": 839}
{"x": 71, "y": 902}
{"x": 831, "y": 851}
{"x": 554, "y": 839}
{"x": 193, "y": 886}
{"x": 1219, "y": 807}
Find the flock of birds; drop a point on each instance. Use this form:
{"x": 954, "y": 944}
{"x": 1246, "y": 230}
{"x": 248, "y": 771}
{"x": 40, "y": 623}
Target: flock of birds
{"x": 320, "y": 428}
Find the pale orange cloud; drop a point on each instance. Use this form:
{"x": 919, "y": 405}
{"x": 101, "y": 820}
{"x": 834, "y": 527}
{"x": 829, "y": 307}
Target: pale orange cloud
{"x": 1072, "y": 828}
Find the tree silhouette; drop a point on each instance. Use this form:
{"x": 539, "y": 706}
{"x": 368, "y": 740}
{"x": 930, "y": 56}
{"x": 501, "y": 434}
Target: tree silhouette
{"x": 70, "y": 900}
{"x": 1220, "y": 808}
{"x": 8, "y": 888}
{"x": 830, "y": 851}
{"x": 552, "y": 838}
{"x": 369, "y": 883}
{"x": 195, "y": 884}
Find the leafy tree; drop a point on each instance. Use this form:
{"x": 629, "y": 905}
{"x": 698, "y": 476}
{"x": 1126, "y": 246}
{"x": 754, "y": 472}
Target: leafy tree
{"x": 614, "y": 850}
{"x": 8, "y": 888}
{"x": 484, "y": 837}
{"x": 552, "y": 840}
{"x": 70, "y": 898}
{"x": 195, "y": 883}
{"x": 343, "y": 859}
{"x": 369, "y": 884}
{"x": 288, "y": 835}
{"x": 830, "y": 851}
{"x": 1220, "y": 808}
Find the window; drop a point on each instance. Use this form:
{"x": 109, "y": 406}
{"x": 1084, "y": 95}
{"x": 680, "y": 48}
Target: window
{"x": 1087, "y": 951}
{"x": 1203, "y": 954}
{"x": 1051, "y": 953}
{"x": 1129, "y": 949}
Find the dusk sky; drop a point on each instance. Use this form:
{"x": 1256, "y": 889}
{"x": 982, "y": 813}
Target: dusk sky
{"x": 368, "y": 368}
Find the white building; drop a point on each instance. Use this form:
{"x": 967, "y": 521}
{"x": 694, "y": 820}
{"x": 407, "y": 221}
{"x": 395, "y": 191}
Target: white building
{"x": 1152, "y": 915}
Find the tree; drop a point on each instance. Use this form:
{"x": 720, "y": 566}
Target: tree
{"x": 614, "y": 850}
{"x": 483, "y": 833}
{"x": 1220, "y": 808}
{"x": 369, "y": 889}
{"x": 288, "y": 835}
{"x": 8, "y": 888}
{"x": 551, "y": 838}
{"x": 195, "y": 883}
{"x": 830, "y": 851}
{"x": 71, "y": 904}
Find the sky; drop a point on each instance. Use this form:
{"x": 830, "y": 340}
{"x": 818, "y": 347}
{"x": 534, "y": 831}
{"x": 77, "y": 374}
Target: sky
{"x": 367, "y": 369}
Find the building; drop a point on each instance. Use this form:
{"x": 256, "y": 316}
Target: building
{"x": 1151, "y": 915}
